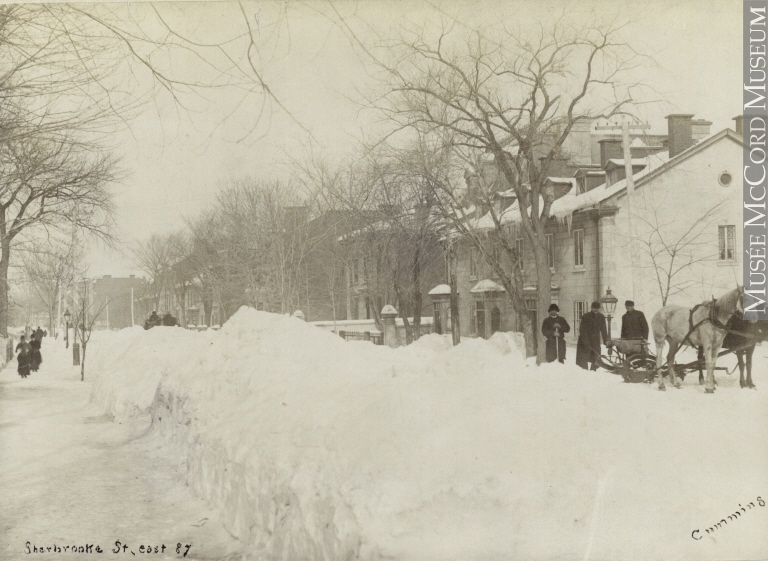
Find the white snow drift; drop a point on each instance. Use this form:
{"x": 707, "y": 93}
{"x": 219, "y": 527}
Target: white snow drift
{"x": 315, "y": 448}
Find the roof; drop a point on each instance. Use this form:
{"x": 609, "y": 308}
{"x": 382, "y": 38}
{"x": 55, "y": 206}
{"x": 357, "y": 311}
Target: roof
{"x": 487, "y": 285}
{"x": 440, "y": 289}
{"x": 657, "y": 164}
{"x": 620, "y": 162}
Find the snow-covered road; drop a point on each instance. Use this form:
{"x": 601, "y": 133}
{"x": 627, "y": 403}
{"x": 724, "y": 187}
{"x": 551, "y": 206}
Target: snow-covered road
{"x": 71, "y": 477}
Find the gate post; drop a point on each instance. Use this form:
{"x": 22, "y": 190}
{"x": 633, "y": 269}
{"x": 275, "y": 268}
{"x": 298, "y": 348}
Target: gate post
{"x": 388, "y": 315}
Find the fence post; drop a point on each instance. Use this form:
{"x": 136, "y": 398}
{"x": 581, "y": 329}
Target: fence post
{"x": 388, "y": 315}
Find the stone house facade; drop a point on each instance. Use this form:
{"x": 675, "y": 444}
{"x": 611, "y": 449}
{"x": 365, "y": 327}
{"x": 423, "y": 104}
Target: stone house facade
{"x": 687, "y": 197}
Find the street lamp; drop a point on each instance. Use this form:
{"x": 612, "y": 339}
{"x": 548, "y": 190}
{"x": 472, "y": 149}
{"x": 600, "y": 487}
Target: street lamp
{"x": 609, "y": 302}
{"x": 67, "y": 315}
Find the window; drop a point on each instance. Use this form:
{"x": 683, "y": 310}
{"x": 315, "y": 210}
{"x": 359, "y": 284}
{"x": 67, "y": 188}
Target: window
{"x": 579, "y": 309}
{"x": 480, "y": 319}
{"x": 519, "y": 250}
{"x": 550, "y": 250}
{"x": 578, "y": 248}
{"x": 727, "y": 244}
{"x": 473, "y": 262}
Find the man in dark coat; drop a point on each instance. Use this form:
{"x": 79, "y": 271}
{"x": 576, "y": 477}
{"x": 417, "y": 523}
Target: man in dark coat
{"x": 553, "y": 328}
{"x": 591, "y": 328}
{"x": 39, "y": 334}
{"x": 633, "y": 324}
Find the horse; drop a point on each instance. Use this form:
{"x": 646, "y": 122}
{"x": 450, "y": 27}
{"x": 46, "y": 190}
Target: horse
{"x": 702, "y": 326}
{"x": 744, "y": 332}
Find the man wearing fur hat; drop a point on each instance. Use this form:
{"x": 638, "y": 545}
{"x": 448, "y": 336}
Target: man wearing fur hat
{"x": 554, "y": 328}
{"x": 633, "y": 324}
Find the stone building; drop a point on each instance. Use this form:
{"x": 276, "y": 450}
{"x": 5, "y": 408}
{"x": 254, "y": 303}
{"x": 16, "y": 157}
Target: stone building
{"x": 687, "y": 201}
{"x": 118, "y": 300}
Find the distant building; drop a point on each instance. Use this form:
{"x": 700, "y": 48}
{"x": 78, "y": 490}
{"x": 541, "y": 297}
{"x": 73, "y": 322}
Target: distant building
{"x": 115, "y": 297}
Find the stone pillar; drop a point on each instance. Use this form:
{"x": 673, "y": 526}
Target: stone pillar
{"x": 299, "y": 315}
{"x": 388, "y": 315}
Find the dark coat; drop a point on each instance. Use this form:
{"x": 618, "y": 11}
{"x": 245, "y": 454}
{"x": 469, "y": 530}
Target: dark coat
{"x": 35, "y": 356}
{"x": 634, "y": 326}
{"x": 23, "y": 357}
{"x": 592, "y": 327}
{"x": 548, "y": 330}
{"x": 39, "y": 335}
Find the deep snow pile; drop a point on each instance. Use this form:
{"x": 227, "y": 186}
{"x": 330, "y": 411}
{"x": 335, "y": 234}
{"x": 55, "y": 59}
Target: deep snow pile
{"x": 315, "y": 448}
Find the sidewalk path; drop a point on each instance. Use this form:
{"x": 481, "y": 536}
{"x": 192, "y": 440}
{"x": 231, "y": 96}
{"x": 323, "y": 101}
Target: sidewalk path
{"x": 69, "y": 476}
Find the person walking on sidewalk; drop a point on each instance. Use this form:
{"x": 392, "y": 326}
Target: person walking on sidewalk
{"x": 35, "y": 355}
{"x": 23, "y": 349}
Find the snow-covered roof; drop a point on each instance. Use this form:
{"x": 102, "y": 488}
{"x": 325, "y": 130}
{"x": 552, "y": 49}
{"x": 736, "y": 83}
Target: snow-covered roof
{"x": 566, "y": 205}
{"x": 440, "y": 289}
{"x": 620, "y": 162}
{"x": 567, "y": 180}
{"x": 487, "y": 285}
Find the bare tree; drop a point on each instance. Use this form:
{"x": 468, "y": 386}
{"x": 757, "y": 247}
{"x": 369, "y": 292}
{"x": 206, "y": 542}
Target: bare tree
{"x": 51, "y": 270}
{"x": 50, "y": 184}
{"x": 514, "y": 95}
{"x": 671, "y": 245}
{"x": 85, "y": 316}
{"x": 153, "y": 256}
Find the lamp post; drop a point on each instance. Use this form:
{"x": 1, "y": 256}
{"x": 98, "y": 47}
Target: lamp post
{"x": 609, "y": 302}
{"x": 67, "y": 315}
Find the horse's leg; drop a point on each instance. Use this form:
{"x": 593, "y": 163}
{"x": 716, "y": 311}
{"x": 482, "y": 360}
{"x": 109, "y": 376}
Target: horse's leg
{"x": 750, "y": 351}
{"x": 711, "y": 353}
{"x": 673, "y": 348}
{"x": 740, "y": 359}
{"x": 659, "y": 360}
{"x": 700, "y": 358}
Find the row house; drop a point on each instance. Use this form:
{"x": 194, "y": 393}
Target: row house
{"x": 686, "y": 205}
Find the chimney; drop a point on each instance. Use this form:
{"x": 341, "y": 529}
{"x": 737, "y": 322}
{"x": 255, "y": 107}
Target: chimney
{"x": 610, "y": 149}
{"x": 700, "y": 129}
{"x": 680, "y": 133}
{"x": 739, "y": 124}
{"x": 558, "y": 167}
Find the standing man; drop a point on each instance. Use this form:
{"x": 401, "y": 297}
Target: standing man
{"x": 633, "y": 324}
{"x": 553, "y": 328}
{"x": 592, "y": 327}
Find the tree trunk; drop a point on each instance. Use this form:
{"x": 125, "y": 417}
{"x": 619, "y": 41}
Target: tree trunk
{"x": 455, "y": 327}
{"x": 417, "y": 295}
{"x": 4, "y": 311}
{"x": 403, "y": 311}
{"x": 544, "y": 283}
{"x": 82, "y": 364}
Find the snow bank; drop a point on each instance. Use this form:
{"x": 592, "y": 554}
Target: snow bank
{"x": 316, "y": 448}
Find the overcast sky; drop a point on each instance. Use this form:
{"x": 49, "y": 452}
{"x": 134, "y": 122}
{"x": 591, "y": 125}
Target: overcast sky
{"x": 177, "y": 160}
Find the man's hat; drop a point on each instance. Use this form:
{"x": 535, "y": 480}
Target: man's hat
{"x": 553, "y": 308}
{"x": 595, "y": 305}
{"x": 629, "y": 303}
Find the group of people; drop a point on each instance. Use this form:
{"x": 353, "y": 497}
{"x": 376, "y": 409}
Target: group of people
{"x": 591, "y": 331}
{"x": 29, "y": 355}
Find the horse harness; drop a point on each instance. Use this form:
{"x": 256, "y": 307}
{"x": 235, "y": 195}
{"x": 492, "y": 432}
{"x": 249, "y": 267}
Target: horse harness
{"x": 712, "y": 318}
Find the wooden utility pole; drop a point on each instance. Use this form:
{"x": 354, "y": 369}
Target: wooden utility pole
{"x": 630, "y": 190}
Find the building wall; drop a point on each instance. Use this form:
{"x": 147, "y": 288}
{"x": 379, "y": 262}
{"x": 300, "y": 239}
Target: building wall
{"x": 118, "y": 292}
{"x": 679, "y": 197}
